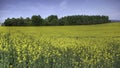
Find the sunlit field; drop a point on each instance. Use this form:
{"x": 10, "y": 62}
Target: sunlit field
{"x": 83, "y": 46}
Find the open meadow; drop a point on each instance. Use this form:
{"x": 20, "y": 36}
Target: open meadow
{"x": 81, "y": 46}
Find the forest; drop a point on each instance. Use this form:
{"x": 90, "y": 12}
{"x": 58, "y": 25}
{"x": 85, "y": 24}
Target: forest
{"x": 53, "y": 20}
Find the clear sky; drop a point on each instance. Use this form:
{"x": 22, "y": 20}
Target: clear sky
{"x": 27, "y": 8}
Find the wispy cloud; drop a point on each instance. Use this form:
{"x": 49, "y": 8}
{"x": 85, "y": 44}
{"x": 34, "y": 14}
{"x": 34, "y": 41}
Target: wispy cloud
{"x": 63, "y": 4}
{"x": 27, "y": 8}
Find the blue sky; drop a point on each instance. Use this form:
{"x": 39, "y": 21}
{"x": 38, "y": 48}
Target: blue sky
{"x": 27, "y": 8}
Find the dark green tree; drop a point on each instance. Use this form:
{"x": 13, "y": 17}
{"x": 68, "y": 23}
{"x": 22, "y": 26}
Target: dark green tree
{"x": 8, "y": 22}
{"x": 37, "y": 20}
{"x": 52, "y": 20}
{"x": 28, "y": 21}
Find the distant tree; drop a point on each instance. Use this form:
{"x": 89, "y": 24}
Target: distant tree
{"x": 83, "y": 20}
{"x": 20, "y": 22}
{"x": 14, "y": 22}
{"x": 8, "y": 22}
{"x": 37, "y": 20}
{"x": 28, "y": 21}
{"x": 52, "y": 20}
{"x": 61, "y": 22}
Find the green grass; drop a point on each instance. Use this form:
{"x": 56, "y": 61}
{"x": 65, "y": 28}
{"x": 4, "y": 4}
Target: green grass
{"x": 84, "y": 46}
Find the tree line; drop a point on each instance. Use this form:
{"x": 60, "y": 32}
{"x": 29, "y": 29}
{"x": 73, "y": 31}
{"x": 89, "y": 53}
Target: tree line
{"x": 52, "y": 20}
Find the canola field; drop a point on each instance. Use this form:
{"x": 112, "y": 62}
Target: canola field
{"x": 84, "y": 46}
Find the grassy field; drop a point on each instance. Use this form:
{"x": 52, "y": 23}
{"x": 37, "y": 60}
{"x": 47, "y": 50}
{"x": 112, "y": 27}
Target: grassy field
{"x": 85, "y": 46}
